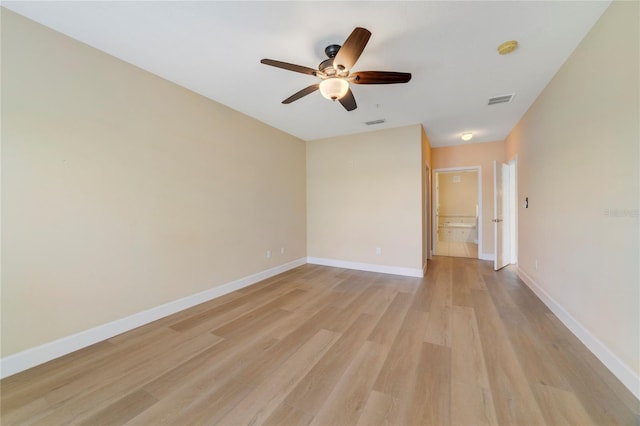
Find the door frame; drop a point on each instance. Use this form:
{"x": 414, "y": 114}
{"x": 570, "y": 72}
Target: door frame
{"x": 434, "y": 204}
{"x": 426, "y": 225}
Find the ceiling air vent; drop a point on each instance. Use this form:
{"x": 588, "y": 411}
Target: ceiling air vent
{"x": 372, "y": 122}
{"x": 500, "y": 99}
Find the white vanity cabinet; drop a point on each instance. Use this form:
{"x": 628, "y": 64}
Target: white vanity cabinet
{"x": 457, "y": 229}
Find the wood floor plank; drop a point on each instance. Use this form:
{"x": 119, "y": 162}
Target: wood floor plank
{"x": 315, "y": 387}
{"x": 387, "y": 327}
{"x": 513, "y": 399}
{"x": 34, "y": 384}
{"x": 467, "y": 358}
{"x": 473, "y": 275}
{"x": 134, "y": 358}
{"x": 380, "y": 410}
{"x": 465, "y": 345}
{"x": 265, "y": 398}
{"x": 383, "y": 296}
{"x": 537, "y": 367}
{"x": 122, "y": 410}
{"x": 349, "y": 396}
{"x": 366, "y": 302}
{"x": 308, "y": 310}
{"x": 278, "y": 354}
{"x": 471, "y": 405}
{"x": 439, "y": 327}
{"x": 201, "y": 403}
{"x": 428, "y": 400}
{"x": 74, "y": 404}
{"x": 398, "y": 372}
{"x": 496, "y": 288}
{"x": 596, "y": 397}
{"x": 287, "y": 415}
{"x": 461, "y": 286}
{"x": 470, "y": 389}
{"x": 560, "y": 407}
{"x": 26, "y": 412}
{"x": 229, "y": 311}
{"x": 206, "y": 365}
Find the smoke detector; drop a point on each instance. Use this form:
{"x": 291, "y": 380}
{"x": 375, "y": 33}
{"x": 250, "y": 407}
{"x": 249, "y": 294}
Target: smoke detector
{"x": 507, "y": 47}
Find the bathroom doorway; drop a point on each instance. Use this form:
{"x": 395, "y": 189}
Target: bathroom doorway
{"x": 457, "y": 212}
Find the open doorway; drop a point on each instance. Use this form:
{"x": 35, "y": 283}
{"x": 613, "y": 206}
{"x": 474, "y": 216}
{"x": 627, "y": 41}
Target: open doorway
{"x": 457, "y": 212}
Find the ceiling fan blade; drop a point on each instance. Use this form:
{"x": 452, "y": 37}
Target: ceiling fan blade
{"x": 301, "y": 93}
{"x": 348, "y": 101}
{"x": 290, "y": 67}
{"x": 351, "y": 49}
{"x": 379, "y": 77}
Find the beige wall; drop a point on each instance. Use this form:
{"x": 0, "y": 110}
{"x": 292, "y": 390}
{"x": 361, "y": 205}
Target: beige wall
{"x": 364, "y": 191}
{"x": 475, "y": 154}
{"x": 122, "y": 191}
{"x": 578, "y": 161}
{"x": 457, "y": 198}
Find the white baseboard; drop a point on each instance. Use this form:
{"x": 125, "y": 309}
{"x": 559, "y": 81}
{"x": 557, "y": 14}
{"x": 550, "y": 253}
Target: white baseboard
{"x": 29, "y": 358}
{"x": 619, "y": 369}
{"x": 395, "y": 270}
{"x": 487, "y": 256}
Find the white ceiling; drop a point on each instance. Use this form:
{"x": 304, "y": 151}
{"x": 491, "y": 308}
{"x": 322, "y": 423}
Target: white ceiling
{"x": 214, "y": 48}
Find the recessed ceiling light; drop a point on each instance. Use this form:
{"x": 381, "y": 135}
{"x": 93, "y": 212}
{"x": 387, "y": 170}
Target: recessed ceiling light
{"x": 466, "y": 136}
{"x": 507, "y": 47}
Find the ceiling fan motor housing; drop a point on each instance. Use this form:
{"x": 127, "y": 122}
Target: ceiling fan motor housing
{"x": 332, "y": 50}
{"x": 327, "y": 67}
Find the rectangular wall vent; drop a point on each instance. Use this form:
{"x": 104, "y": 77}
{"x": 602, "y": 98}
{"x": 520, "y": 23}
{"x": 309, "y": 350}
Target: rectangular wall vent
{"x": 372, "y": 122}
{"x": 500, "y": 99}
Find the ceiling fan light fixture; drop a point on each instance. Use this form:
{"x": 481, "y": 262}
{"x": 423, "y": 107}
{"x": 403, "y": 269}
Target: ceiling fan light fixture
{"x": 334, "y": 88}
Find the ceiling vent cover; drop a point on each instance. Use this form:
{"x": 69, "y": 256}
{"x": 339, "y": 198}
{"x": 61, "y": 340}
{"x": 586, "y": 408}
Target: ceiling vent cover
{"x": 500, "y": 99}
{"x": 372, "y": 122}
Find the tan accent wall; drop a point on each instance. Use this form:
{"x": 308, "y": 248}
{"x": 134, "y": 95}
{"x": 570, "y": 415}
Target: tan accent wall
{"x": 475, "y": 154}
{"x": 578, "y": 160}
{"x": 458, "y": 198}
{"x": 122, "y": 191}
{"x": 364, "y": 191}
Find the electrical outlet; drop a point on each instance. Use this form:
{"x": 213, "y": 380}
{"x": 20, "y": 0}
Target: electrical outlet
{"x": 281, "y": 250}
{"x": 537, "y": 264}
{"x": 378, "y": 251}
{"x": 268, "y": 254}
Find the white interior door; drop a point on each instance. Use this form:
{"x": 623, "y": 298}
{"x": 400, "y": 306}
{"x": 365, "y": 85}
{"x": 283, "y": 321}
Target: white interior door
{"x": 500, "y": 213}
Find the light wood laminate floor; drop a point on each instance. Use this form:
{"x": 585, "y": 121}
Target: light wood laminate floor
{"x": 328, "y": 346}
{"x": 457, "y": 249}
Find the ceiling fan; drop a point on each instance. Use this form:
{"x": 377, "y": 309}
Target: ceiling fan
{"x": 335, "y": 71}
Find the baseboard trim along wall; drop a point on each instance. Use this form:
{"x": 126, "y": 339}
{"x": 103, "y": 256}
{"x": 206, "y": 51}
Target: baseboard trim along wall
{"x": 619, "y": 369}
{"x": 29, "y": 358}
{"x": 395, "y": 270}
{"x": 487, "y": 256}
